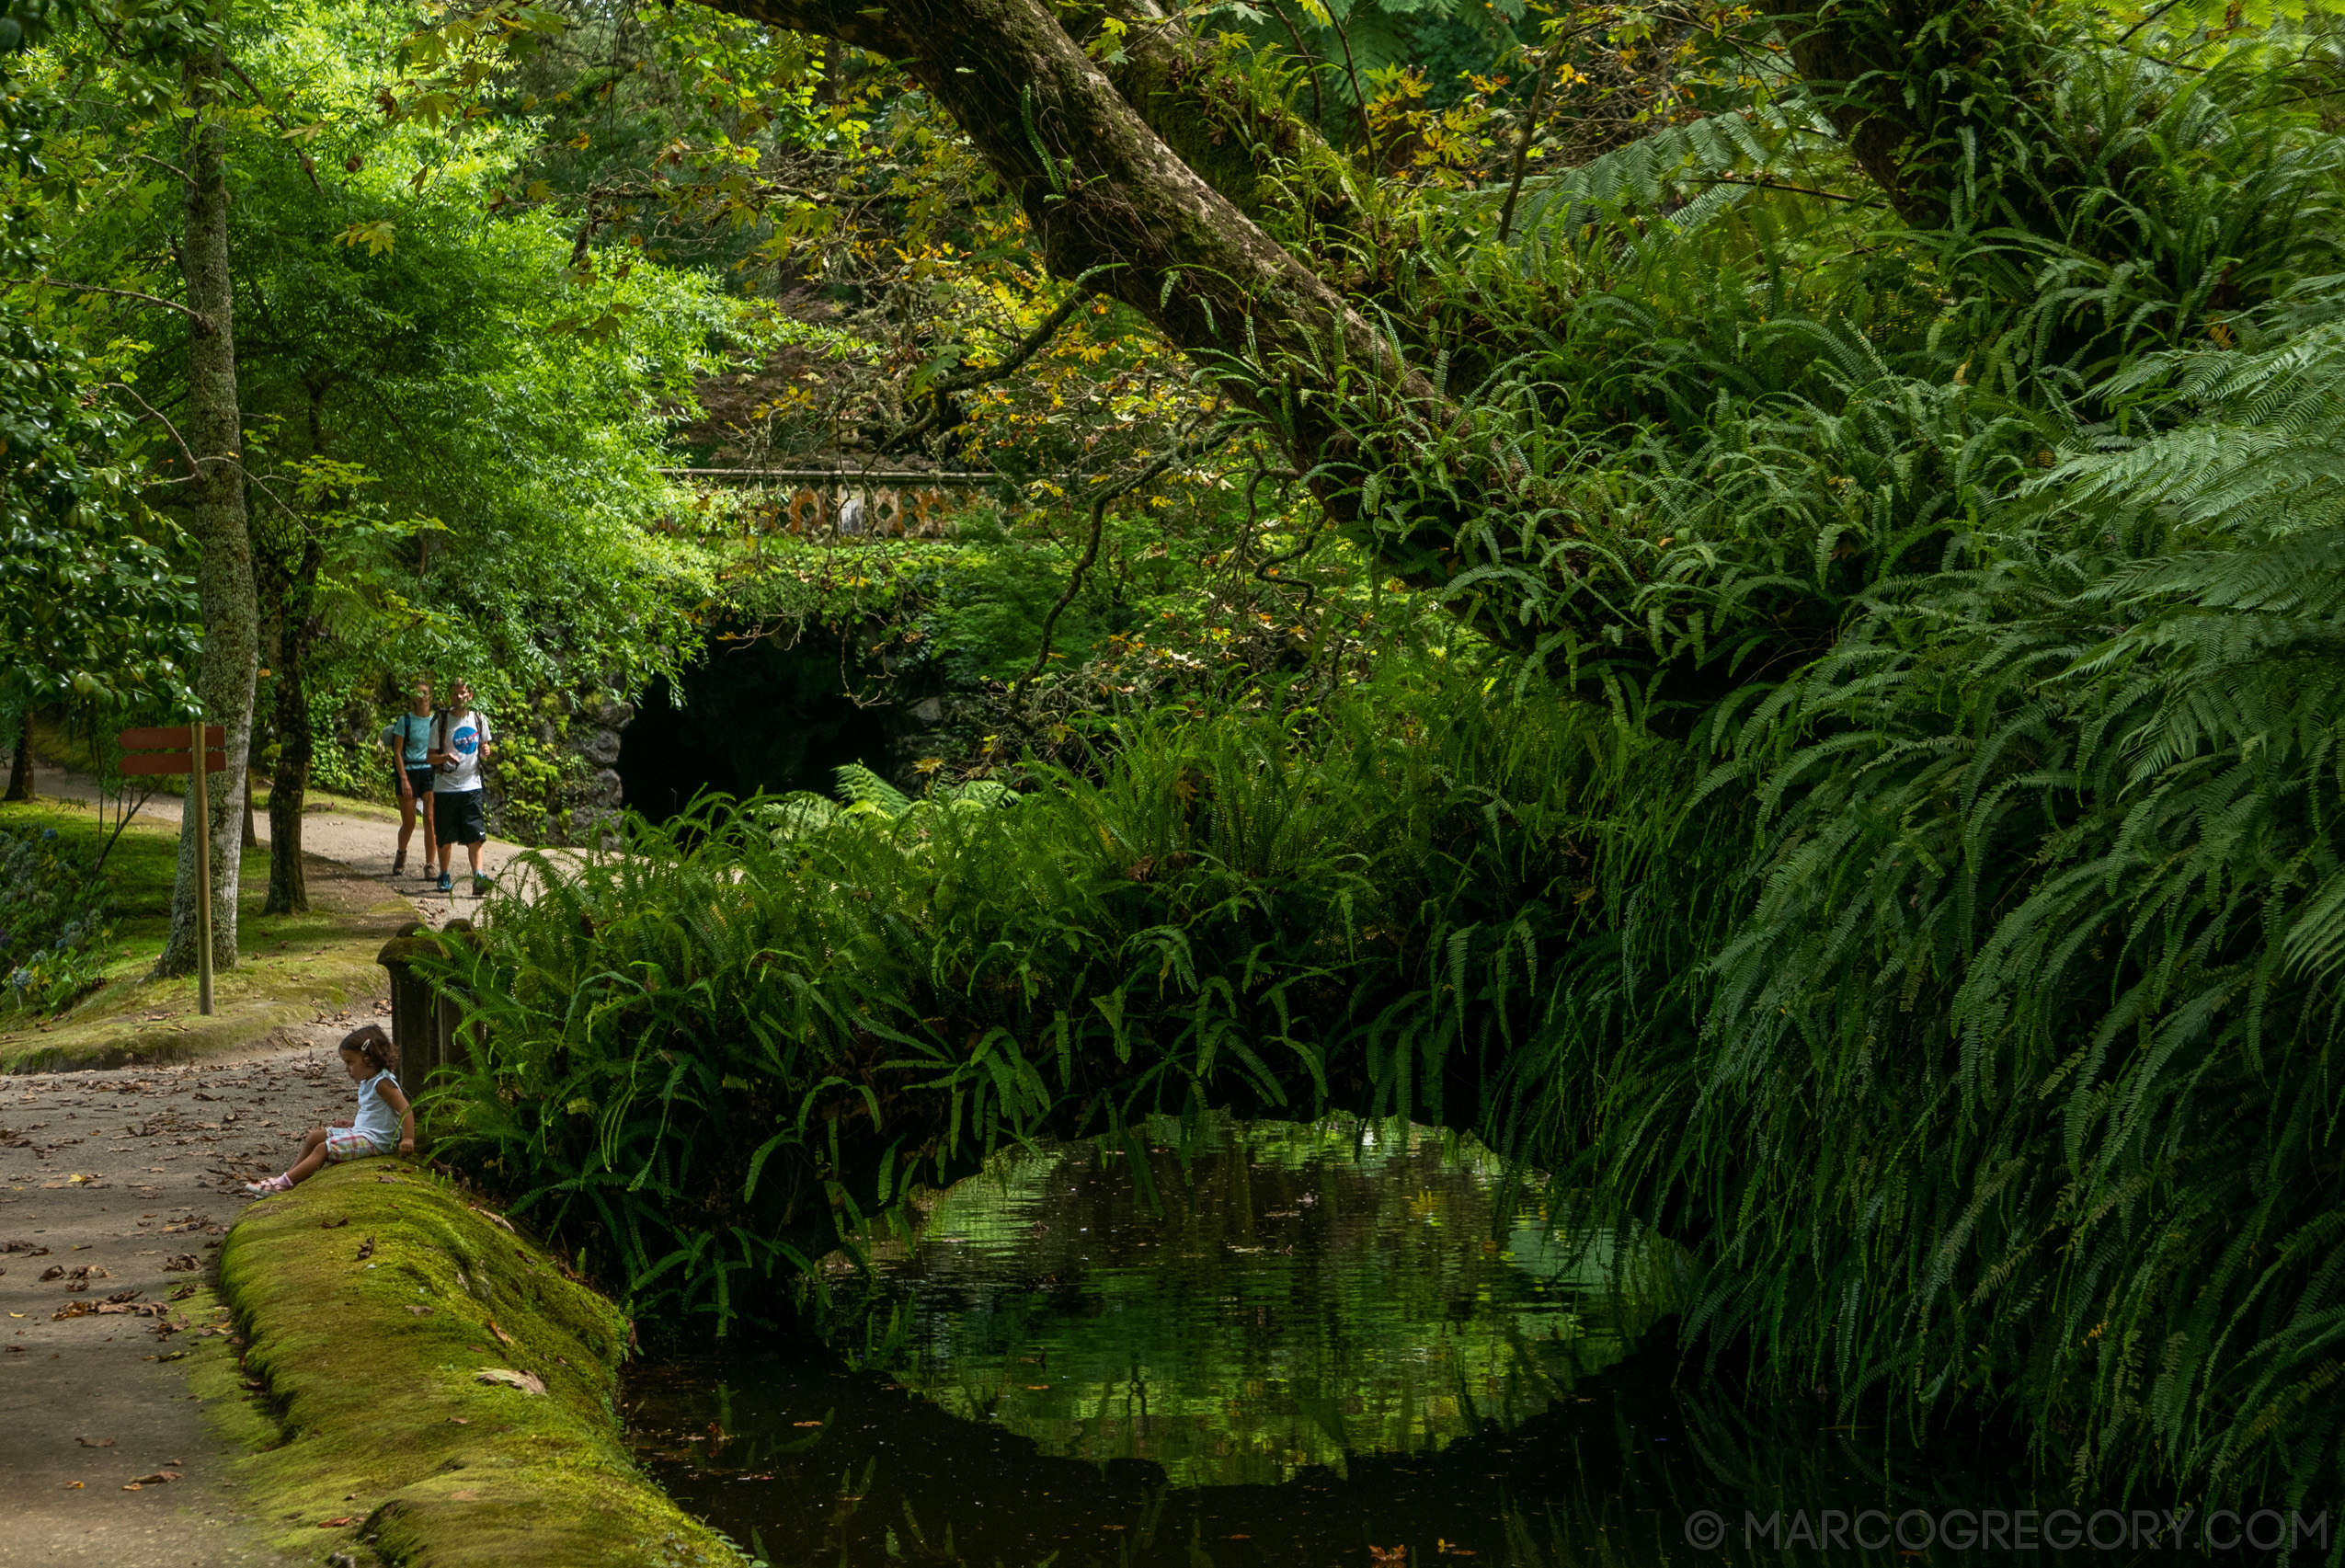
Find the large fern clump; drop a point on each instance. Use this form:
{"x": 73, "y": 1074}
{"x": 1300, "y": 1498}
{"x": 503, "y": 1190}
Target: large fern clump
{"x": 2017, "y": 1081}
{"x": 712, "y": 1048}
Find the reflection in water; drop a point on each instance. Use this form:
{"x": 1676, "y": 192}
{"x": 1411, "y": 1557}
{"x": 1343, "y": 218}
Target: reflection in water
{"x": 1330, "y": 1345}
{"x": 1305, "y": 1294}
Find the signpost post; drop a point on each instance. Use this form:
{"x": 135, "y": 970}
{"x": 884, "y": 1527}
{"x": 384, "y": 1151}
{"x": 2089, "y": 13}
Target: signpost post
{"x": 195, "y": 749}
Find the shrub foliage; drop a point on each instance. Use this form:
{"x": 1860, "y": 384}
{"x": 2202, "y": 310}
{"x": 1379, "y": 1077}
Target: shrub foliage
{"x": 1894, "y": 857}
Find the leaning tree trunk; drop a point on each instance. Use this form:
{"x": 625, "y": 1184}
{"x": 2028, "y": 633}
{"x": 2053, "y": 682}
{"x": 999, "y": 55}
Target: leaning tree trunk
{"x": 1111, "y": 200}
{"x": 216, "y": 502}
{"x": 296, "y": 738}
{"x": 1107, "y": 197}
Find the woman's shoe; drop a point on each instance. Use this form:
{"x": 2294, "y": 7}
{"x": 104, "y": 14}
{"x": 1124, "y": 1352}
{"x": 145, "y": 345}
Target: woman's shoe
{"x": 398, "y": 862}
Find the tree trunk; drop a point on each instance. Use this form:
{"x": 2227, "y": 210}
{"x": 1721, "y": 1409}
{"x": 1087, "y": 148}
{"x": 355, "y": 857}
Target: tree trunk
{"x": 296, "y": 742}
{"x": 224, "y": 568}
{"x": 1110, "y": 200}
{"x": 21, "y": 765}
{"x": 1107, "y": 197}
{"x": 1918, "y": 91}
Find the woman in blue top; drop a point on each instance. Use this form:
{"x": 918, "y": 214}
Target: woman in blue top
{"x": 409, "y": 740}
{"x": 385, "y": 1121}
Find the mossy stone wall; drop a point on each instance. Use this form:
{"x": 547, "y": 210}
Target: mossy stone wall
{"x": 373, "y": 1298}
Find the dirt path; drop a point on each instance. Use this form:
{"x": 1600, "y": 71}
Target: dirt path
{"x": 118, "y": 1173}
{"x": 125, "y": 1172}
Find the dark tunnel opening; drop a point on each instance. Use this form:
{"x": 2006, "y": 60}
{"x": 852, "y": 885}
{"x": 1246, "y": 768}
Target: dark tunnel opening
{"x": 749, "y": 717}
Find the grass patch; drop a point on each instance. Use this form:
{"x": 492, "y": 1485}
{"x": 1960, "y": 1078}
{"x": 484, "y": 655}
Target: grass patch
{"x": 373, "y": 1363}
{"x": 288, "y": 965}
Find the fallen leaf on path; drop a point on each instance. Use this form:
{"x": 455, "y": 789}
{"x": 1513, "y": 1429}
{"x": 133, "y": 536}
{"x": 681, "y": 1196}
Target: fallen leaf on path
{"x": 338, "y": 1524}
{"x": 73, "y": 1486}
{"x": 366, "y": 1249}
{"x": 184, "y": 1291}
{"x": 459, "y": 1421}
{"x": 528, "y": 1383}
{"x": 333, "y": 1224}
{"x": 502, "y": 1337}
{"x": 101, "y": 1443}
{"x": 121, "y": 1296}
{"x": 183, "y": 1263}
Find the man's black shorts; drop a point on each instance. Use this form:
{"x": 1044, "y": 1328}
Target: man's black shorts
{"x": 460, "y": 817}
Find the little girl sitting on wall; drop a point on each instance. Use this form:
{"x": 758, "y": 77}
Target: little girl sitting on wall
{"x": 366, "y": 1056}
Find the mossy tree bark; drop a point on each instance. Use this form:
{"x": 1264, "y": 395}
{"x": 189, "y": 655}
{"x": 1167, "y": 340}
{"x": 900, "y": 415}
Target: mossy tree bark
{"x": 217, "y": 517}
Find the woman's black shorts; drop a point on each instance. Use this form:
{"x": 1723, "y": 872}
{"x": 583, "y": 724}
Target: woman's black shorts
{"x": 419, "y": 782}
{"x": 460, "y": 817}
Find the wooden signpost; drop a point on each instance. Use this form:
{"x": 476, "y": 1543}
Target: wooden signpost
{"x": 172, "y": 750}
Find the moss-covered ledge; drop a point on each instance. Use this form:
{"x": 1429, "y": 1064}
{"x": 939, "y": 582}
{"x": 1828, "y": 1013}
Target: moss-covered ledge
{"x": 373, "y": 1298}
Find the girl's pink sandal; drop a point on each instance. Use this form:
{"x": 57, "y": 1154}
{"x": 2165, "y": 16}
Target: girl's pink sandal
{"x": 272, "y": 1185}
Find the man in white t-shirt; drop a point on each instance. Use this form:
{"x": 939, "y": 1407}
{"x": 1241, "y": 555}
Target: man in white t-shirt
{"x": 458, "y": 809}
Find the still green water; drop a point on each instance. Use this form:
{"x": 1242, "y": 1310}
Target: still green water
{"x": 1299, "y": 1345}
{"x": 1292, "y": 1296}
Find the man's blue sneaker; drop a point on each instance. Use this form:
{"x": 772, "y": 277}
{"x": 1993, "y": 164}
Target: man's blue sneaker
{"x": 481, "y": 886}
{"x": 445, "y": 884}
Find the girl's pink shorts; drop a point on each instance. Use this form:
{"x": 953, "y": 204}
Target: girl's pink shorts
{"x": 348, "y": 1143}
